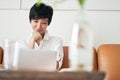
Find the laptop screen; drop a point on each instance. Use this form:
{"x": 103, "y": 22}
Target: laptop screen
{"x": 35, "y": 60}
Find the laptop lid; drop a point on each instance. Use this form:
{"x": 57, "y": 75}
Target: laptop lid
{"x": 35, "y": 60}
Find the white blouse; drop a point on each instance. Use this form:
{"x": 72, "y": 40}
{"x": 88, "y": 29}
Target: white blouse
{"x": 49, "y": 43}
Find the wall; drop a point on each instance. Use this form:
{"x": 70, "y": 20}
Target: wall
{"x": 104, "y": 16}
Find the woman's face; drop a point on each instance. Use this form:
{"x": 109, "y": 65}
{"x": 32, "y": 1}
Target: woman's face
{"x": 39, "y": 25}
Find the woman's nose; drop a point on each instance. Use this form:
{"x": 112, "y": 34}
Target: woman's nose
{"x": 39, "y": 25}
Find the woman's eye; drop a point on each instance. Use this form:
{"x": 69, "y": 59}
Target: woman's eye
{"x": 44, "y": 23}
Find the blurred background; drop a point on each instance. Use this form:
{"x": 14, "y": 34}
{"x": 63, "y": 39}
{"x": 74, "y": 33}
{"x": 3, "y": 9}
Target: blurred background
{"x": 104, "y": 16}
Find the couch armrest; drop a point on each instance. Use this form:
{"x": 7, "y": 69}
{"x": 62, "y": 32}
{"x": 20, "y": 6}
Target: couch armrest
{"x": 108, "y": 60}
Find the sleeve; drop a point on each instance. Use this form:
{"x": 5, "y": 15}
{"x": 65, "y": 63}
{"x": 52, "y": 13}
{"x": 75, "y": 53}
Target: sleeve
{"x": 59, "y": 49}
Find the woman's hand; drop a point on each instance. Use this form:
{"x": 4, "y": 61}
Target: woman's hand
{"x": 36, "y": 37}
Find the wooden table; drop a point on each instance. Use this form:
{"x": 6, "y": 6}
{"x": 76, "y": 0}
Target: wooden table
{"x": 31, "y": 75}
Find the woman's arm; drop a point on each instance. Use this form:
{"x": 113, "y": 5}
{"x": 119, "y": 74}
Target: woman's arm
{"x": 59, "y": 49}
{"x": 31, "y": 43}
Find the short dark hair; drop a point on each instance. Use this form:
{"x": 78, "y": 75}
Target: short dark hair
{"x": 41, "y": 11}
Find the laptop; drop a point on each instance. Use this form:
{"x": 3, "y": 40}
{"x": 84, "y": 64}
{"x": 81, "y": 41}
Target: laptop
{"x": 34, "y": 60}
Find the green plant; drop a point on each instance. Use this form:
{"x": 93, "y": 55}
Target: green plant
{"x": 38, "y": 2}
{"x": 81, "y": 2}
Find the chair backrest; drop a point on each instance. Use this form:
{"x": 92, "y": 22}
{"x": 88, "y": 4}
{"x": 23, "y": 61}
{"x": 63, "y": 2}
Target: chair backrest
{"x": 95, "y": 60}
{"x": 108, "y": 61}
{"x": 66, "y": 60}
{"x": 1, "y": 55}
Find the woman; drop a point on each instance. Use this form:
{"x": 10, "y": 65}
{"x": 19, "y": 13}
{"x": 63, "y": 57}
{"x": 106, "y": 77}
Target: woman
{"x": 40, "y": 17}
